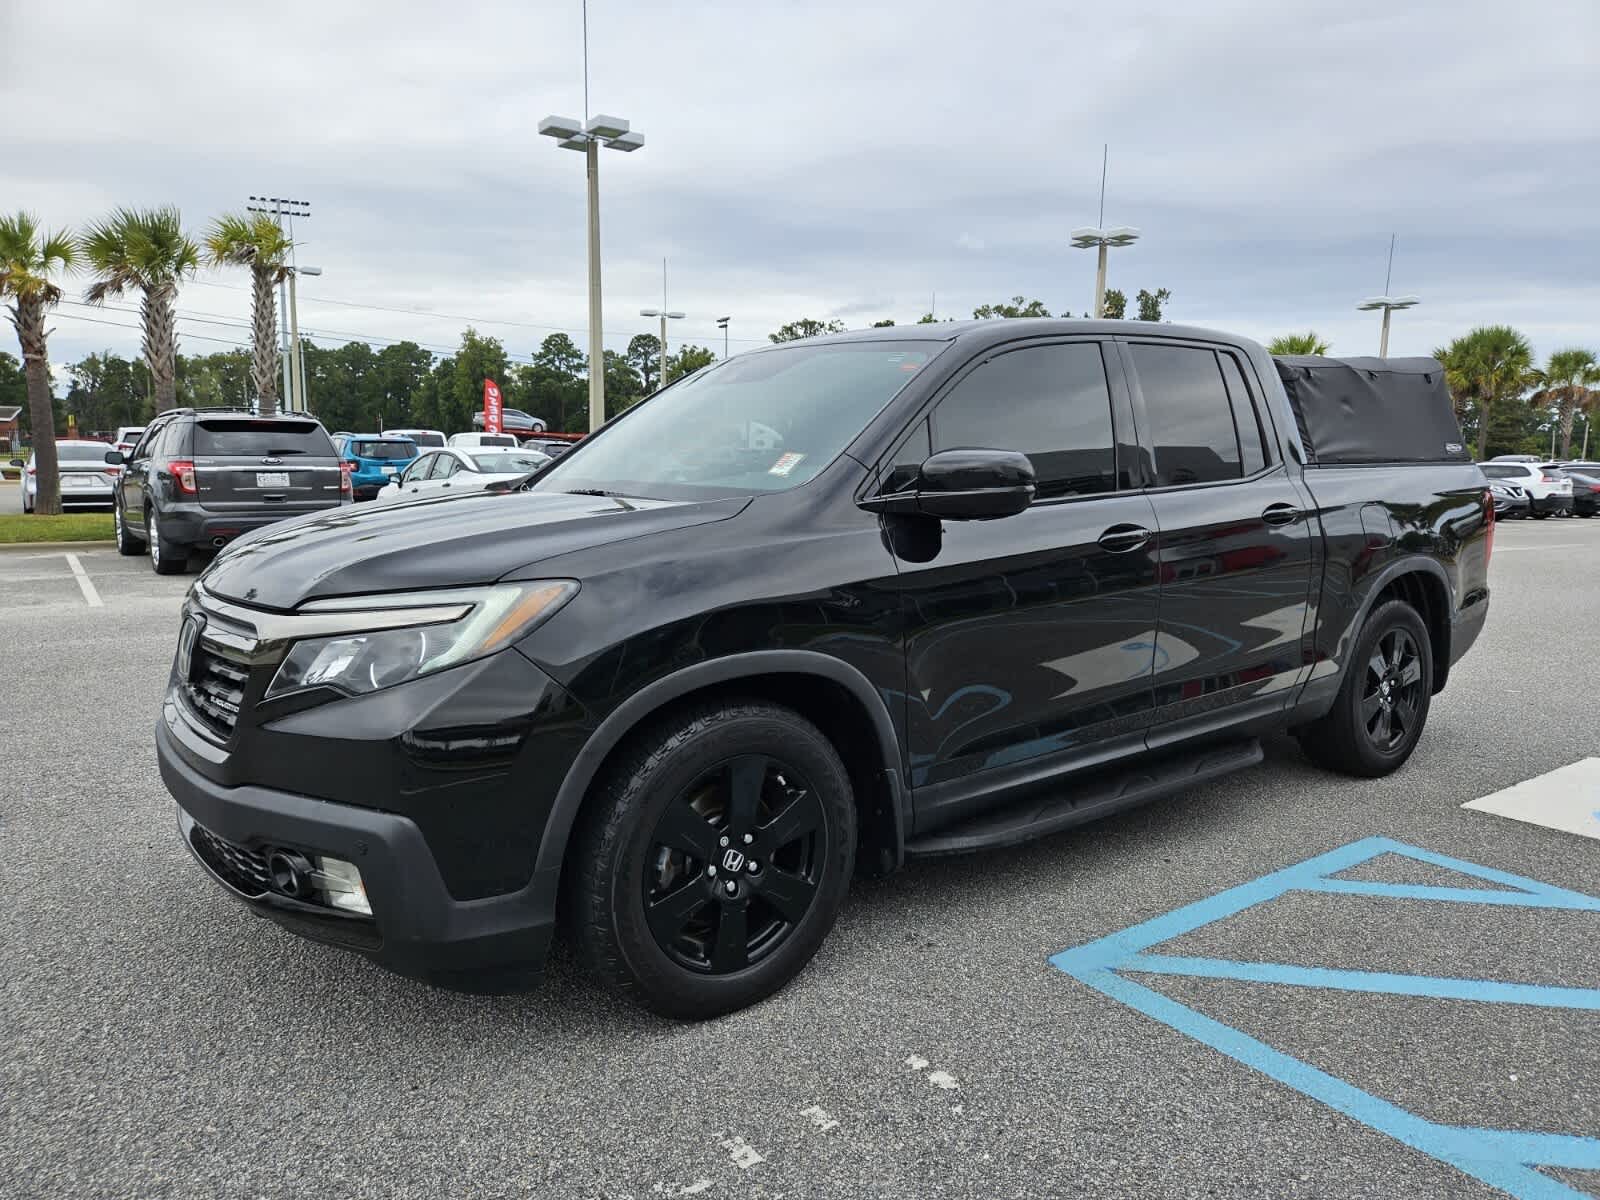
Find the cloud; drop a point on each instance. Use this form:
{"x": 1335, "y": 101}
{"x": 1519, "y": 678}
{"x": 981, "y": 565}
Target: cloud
{"x": 1265, "y": 152}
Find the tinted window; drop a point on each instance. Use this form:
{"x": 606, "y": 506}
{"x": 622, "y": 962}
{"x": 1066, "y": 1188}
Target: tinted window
{"x": 904, "y": 463}
{"x": 1246, "y": 418}
{"x": 254, "y": 438}
{"x": 1502, "y": 471}
{"x": 387, "y": 451}
{"x": 147, "y": 441}
{"x": 1051, "y": 403}
{"x": 422, "y": 438}
{"x": 1191, "y": 421}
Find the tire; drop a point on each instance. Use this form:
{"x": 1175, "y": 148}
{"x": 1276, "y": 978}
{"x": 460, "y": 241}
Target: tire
{"x": 127, "y": 544}
{"x": 167, "y": 558}
{"x": 1539, "y": 516}
{"x": 1371, "y": 729}
{"x": 703, "y": 951}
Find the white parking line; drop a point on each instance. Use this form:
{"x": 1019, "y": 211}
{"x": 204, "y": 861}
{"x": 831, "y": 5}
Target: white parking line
{"x": 1542, "y": 546}
{"x": 85, "y": 585}
{"x": 1567, "y": 798}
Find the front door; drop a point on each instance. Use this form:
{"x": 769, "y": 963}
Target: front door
{"x": 1236, "y": 547}
{"x": 1029, "y": 639}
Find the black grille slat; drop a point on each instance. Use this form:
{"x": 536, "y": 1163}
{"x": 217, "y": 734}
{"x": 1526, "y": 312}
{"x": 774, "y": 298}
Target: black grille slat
{"x": 215, "y": 690}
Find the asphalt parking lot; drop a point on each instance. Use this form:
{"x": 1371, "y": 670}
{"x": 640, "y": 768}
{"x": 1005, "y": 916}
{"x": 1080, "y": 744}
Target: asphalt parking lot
{"x": 160, "y": 1041}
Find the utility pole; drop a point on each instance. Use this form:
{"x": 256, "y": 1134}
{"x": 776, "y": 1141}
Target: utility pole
{"x": 288, "y": 344}
{"x": 722, "y": 324}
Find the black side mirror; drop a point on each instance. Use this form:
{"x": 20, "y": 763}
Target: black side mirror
{"x": 114, "y": 457}
{"x": 965, "y": 485}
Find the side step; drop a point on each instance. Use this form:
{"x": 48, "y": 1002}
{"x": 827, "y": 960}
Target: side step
{"x": 1088, "y": 798}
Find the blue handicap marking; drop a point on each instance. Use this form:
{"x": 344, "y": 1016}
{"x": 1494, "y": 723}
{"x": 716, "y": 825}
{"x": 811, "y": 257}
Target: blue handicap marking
{"x": 1503, "y": 1158}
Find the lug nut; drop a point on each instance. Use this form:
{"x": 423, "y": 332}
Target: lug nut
{"x": 732, "y": 887}
{"x": 752, "y": 866}
{"x": 724, "y": 841}
{"x": 712, "y": 870}
{"x": 748, "y": 838}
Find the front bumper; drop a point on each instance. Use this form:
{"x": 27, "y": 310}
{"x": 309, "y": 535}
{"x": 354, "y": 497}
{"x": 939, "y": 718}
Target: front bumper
{"x": 416, "y": 929}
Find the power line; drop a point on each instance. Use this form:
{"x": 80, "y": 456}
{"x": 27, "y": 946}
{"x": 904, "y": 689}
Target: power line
{"x": 418, "y": 312}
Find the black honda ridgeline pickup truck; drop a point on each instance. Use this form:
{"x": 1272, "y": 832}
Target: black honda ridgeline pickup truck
{"x": 820, "y": 608}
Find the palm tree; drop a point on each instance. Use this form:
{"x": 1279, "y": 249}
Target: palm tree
{"x": 1489, "y": 364}
{"x": 256, "y": 241}
{"x": 1567, "y": 378}
{"x": 146, "y": 250}
{"x": 29, "y": 256}
{"x": 1298, "y": 343}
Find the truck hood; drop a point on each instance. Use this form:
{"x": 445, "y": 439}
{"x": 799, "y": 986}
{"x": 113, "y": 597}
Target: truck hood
{"x": 453, "y": 542}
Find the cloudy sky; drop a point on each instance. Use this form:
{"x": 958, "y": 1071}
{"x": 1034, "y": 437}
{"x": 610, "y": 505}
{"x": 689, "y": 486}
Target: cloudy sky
{"x": 848, "y": 161}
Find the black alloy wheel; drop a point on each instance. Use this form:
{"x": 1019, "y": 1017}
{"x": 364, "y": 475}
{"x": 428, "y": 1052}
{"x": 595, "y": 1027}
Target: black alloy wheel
{"x": 712, "y": 857}
{"x": 734, "y": 864}
{"x": 1391, "y": 692}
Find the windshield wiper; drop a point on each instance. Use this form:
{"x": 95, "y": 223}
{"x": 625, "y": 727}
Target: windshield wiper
{"x": 591, "y": 492}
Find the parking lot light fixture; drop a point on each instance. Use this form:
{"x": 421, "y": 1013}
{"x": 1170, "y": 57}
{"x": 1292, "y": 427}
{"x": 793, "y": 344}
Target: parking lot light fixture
{"x": 613, "y": 133}
{"x": 1387, "y": 303}
{"x": 1102, "y": 237}
{"x": 722, "y": 324}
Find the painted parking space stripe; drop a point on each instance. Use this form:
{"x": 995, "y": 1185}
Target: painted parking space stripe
{"x": 1567, "y": 799}
{"x": 1505, "y": 1159}
{"x": 85, "y": 584}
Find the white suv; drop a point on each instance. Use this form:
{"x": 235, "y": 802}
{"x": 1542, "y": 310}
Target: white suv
{"x": 1549, "y": 489}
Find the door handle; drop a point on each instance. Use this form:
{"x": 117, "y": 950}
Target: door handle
{"x": 1120, "y": 539}
{"x": 1280, "y": 514}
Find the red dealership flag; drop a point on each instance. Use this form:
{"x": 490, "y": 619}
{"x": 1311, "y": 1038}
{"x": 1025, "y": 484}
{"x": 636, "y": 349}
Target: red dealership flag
{"x": 491, "y": 407}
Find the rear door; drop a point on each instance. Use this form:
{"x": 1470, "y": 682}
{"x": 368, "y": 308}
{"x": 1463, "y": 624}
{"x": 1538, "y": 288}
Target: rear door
{"x": 135, "y": 479}
{"x": 248, "y": 464}
{"x": 1235, "y": 548}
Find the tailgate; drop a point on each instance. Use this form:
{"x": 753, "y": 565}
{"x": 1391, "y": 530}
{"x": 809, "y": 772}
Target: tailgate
{"x": 248, "y": 464}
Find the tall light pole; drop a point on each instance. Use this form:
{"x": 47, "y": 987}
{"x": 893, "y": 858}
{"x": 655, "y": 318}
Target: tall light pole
{"x": 613, "y": 133}
{"x": 281, "y": 207}
{"x": 663, "y": 314}
{"x": 1102, "y": 237}
{"x": 722, "y": 324}
{"x": 1386, "y": 302}
{"x": 300, "y": 403}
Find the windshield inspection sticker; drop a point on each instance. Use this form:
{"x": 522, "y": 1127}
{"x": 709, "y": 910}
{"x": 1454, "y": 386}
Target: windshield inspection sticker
{"x": 785, "y": 464}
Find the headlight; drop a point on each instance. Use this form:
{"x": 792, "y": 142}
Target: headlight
{"x": 391, "y": 639}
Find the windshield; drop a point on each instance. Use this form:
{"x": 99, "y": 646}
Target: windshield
{"x": 389, "y": 451}
{"x": 422, "y": 437}
{"x": 260, "y": 438}
{"x": 507, "y": 462}
{"x": 762, "y": 422}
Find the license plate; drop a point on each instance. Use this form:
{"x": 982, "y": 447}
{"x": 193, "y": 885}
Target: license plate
{"x": 77, "y": 483}
{"x": 266, "y": 479}
{"x": 390, "y": 470}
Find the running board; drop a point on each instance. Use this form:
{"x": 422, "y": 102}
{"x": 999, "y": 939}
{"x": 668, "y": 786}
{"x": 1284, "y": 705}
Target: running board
{"x": 1089, "y": 798}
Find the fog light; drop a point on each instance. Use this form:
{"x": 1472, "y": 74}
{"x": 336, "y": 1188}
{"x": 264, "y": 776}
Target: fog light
{"x": 339, "y": 884}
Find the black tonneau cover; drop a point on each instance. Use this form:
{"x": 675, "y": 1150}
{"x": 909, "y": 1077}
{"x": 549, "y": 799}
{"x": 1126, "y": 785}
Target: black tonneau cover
{"x": 1372, "y": 410}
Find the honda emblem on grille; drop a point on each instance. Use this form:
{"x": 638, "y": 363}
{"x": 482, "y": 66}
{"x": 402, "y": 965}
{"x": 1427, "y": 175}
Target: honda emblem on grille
{"x": 732, "y": 860}
{"x": 271, "y": 462}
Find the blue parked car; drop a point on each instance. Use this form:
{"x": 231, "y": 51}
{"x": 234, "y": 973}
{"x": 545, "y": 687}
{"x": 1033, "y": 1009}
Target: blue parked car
{"x": 372, "y": 460}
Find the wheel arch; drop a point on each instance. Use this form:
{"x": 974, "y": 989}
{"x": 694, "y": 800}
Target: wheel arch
{"x": 1423, "y": 584}
{"x": 810, "y": 682}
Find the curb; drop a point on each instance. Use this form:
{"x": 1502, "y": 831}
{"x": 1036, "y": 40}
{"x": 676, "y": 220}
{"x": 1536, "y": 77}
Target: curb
{"x": 54, "y": 547}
